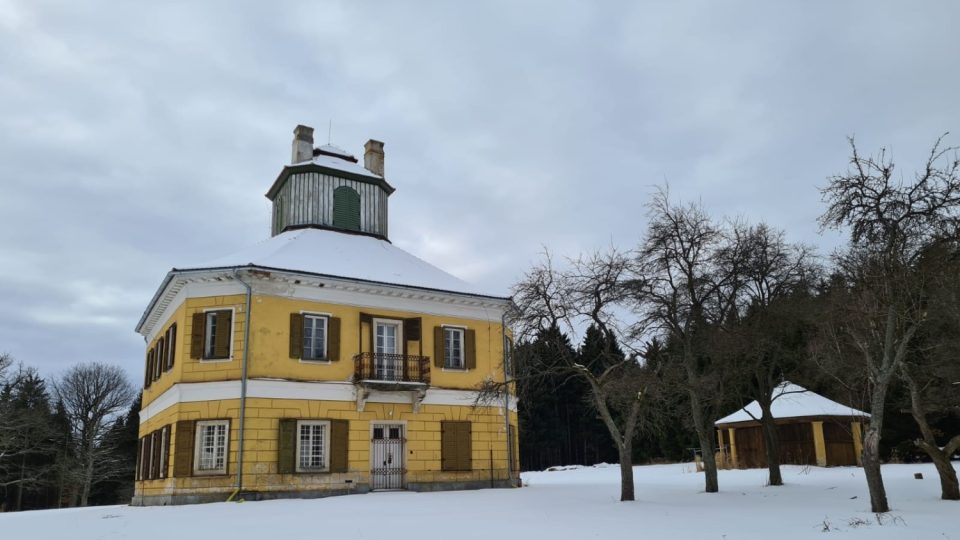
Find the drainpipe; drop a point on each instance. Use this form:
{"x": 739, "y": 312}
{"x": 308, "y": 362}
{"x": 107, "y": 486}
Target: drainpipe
{"x": 506, "y": 400}
{"x": 243, "y": 382}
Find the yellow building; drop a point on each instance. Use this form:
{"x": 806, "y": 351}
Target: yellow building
{"x": 324, "y": 360}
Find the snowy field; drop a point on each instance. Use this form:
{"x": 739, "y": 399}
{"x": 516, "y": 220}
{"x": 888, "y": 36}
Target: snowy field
{"x": 574, "y": 503}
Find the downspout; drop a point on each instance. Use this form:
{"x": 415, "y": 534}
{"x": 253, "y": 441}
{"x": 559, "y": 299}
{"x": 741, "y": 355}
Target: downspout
{"x": 243, "y": 383}
{"x": 506, "y": 398}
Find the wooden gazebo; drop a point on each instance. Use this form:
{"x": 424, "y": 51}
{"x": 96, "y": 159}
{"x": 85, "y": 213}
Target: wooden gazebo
{"x": 813, "y": 430}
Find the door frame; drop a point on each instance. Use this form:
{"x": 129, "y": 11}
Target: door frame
{"x": 403, "y": 442}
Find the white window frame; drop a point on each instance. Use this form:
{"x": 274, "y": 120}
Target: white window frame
{"x": 233, "y": 318}
{"x": 463, "y": 347}
{"x": 160, "y": 363}
{"x": 326, "y": 338}
{"x": 197, "y": 444}
{"x": 326, "y": 446}
{"x": 392, "y": 322}
{"x": 164, "y": 434}
{"x": 399, "y": 342}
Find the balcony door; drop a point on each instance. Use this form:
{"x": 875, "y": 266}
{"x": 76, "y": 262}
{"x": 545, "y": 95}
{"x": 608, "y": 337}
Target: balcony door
{"x": 387, "y": 348}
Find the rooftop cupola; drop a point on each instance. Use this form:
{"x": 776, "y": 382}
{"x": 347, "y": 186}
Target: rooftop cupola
{"x": 326, "y": 187}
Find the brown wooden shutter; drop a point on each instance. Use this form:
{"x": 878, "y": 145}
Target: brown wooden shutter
{"x": 140, "y": 459}
{"x": 465, "y": 447}
{"x": 366, "y": 318}
{"x": 221, "y": 346}
{"x": 438, "y": 346}
{"x": 156, "y": 448}
{"x": 145, "y": 462}
{"x": 412, "y": 329}
{"x": 287, "y": 446}
{"x": 456, "y": 446}
{"x": 147, "y": 373}
{"x": 136, "y": 466}
{"x": 171, "y": 346}
{"x": 333, "y": 339}
{"x": 183, "y": 449}
{"x": 470, "y": 348}
{"x": 196, "y": 335}
{"x": 161, "y": 358}
{"x": 153, "y": 366}
{"x": 147, "y": 456}
{"x": 339, "y": 445}
{"x": 296, "y": 336}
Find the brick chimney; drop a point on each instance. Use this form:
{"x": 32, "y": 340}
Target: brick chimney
{"x": 373, "y": 157}
{"x": 303, "y": 144}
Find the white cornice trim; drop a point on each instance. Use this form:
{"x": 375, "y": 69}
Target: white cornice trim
{"x": 320, "y": 391}
{"x": 217, "y": 282}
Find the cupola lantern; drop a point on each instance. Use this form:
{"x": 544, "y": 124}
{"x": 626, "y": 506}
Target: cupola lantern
{"x": 325, "y": 187}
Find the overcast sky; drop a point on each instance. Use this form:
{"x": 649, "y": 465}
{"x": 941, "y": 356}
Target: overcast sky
{"x": 136, "y": 138}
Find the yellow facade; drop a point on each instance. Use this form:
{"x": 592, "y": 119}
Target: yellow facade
{"x": 349, "y": 418}
{"x": 270, "y": 335}
{"x": 269, "y": 360}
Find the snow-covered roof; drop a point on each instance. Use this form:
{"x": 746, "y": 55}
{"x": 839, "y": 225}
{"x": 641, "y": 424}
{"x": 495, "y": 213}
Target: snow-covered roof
{"x": 338, "y": 164}
{"x": 793, "y": 401}
{"x": 334, "y": 149}
{"x": 351, "y": 256}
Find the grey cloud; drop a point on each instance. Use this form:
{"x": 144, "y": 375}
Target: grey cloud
{"x": 135, "y": 138}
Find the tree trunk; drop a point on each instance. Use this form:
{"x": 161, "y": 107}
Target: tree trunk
{"x": 626, "y": 472}
{"x": 949, "y": 488}
{"x": 705, "y": 436}
{"x": 871, "y": 468}
{"x": 771, "y": 444}
{"x": 87, "y": 481}
{"x": 23, "y": 468}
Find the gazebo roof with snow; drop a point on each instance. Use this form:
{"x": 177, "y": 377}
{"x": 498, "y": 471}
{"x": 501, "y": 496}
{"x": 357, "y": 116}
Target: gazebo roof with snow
{"x": 792, "y": 401}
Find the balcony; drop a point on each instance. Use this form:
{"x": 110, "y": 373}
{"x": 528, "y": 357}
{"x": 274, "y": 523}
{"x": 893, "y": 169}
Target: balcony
{"x": 382, "y": 371}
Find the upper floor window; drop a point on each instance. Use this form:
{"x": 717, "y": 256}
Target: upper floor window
{"x": 346, "y": 208}
{"x": 212, "y": 335}
{"x": 455, "y": 347}
{"x": 171, "y": 346}
{"x": 453, "y": 357}
{"x": 314, "y": 337}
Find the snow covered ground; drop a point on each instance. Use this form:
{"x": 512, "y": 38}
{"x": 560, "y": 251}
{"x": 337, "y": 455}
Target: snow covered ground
{"x": 574, "y": 503}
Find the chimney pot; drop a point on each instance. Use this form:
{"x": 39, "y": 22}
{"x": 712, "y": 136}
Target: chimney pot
{"x": 373, "y": 157}
{"x": 302, "y": 144}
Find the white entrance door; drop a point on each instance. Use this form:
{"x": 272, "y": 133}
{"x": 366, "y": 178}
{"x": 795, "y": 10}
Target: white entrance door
{"x": 387, "y": 362}
{"x": 386, "y": 449}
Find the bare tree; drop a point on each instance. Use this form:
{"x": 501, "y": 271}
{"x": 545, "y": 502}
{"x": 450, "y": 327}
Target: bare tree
{"x": 768, "y": 340}
{"x": 93, "y": 394}
{"x": 883, "y": 305}
{"x": 590, "y": 293}
{"x": 693, "y": 278}
{"x": 932, "y": 371}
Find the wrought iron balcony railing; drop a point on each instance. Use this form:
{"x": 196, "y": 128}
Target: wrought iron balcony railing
{"x": 391, "y": 368}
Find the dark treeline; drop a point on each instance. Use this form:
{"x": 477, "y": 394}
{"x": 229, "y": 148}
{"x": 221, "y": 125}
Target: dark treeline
{"x": 67, "y": 442}
{"x": 559, "y": 425}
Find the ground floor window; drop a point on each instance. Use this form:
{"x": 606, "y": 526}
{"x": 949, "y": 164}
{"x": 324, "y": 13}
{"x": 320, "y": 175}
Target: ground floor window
{"x": 313, "y": 444}
{"x": 211, "y": 447}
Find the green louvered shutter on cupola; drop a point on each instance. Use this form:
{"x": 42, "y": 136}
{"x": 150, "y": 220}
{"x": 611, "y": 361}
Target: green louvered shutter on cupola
{"x": 346, "y": 208}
